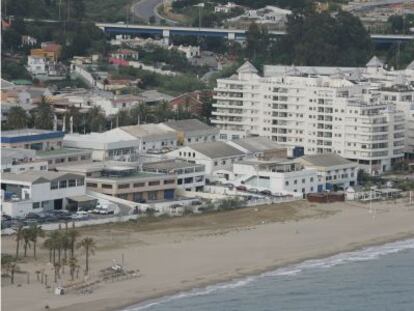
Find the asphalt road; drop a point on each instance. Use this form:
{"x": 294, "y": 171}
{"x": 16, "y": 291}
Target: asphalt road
{"x": 145, "y": 9}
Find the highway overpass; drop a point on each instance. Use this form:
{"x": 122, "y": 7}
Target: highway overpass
{"x": 231, "y": 34}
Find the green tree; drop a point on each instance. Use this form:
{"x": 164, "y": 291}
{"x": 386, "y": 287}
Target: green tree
{"x": 43, "y": 116}
{"x": 96, "y": 119}
{"x": 257, "y": 41}
{"x": 88, "y": 245}
{"x": 396, "y": 23}
{"x": 11, "y": 40}
{"x": 17, "y": 118}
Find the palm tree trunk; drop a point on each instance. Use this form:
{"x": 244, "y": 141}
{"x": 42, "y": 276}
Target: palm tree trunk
{"x": 59, "y": 254}
{"x": 34, "y": 248}
{"x": 50, "y": 254}
{"x": 12, "y": 275}
{"x": 87, "y": 260}
{"x": 25, "y": 249}
{"x": 54, "y": 256}
{"x": 17, "y": 248}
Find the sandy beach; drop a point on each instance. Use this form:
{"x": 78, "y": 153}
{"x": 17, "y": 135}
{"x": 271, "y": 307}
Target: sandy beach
{"x": 178, "y": 254}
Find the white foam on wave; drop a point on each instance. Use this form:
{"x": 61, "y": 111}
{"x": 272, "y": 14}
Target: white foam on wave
{"x": 366, "y": 254}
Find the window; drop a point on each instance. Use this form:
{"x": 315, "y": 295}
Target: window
{"x": 152, "y": 195}
{"x": 80, "y": 181}
{"x": 169, "y": 181}
{"x": 199, "y": 178}
{"x": 91, "y": 185}
{"x": 154, "y": 183}
{"x": 188, "y": 180}
{"x": 72, "y": 182}
{"x": 43, "y": 168}
{"x": 179, "y": 181}
{"x": 73, "y": 159}
{"x": 311, "y": 179}
{"x": 303, "y": 180}
{"x": 53, "y": 185}
{"x": 215, "y": 163}
{"x": 106, "y": 186}
{"x": 123, "y": 186}
{"x": 286, "y": 183}
{"x": 36, "y": 205}
{"x": 139, "y": 184}
{"x": 295, "y": 182}
{"x": 62, "y": 184}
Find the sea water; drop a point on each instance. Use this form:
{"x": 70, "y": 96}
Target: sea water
{"x": 372, "y": 279}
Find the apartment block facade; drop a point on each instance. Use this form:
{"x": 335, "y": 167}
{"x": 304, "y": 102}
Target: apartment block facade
{"x": 323, "y": 114}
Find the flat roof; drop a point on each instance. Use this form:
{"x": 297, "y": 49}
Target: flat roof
{"x": 189, "y": 125}
{"x": 26, "y": 135}
{"x": 169, "y": 165}
{"x": 257, "y": 144}
{"x": 149, "y": 131}
{"x": 36, "y": 176}
{"x": 62, "y": 151}
{"x": 326, "y": 160}
{"x": 216, "y": 149}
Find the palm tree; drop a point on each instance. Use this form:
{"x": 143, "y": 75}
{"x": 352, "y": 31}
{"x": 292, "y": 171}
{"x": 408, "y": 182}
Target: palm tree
{"x": 73, "y": 264}
{"x": 18, "y": 238}
{"x": 35, "y": 232}
{"x": 53, "y": 243}
{"x": 8, "y": 263}
{"x": 43, "y": 118}
{"x": 26, "y": 234}
{"x": 72, "y": 235}
{"x": 89, "y": 246}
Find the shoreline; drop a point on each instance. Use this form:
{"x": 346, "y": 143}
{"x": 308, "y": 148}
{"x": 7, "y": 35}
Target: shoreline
{"x": 179, "y": 256}
{"x": 258, "y": 273}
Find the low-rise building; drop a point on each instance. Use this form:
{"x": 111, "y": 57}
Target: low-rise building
{"x": 16, "y": 160}
{"x": 218, "y": 157}
{"x": 155, "y": 138}
{"x": 190, "y": 131}
{"x": 126, "y": 181}
{"x": 225, "y": 8}
{"x": 260, "y": 147}
{"x": 32, "y": 139}
{"x": 190, "y": 176}
{"x": 64, "y": 156}
{"x": 278, "y": 176}
{"x": 115, "y": 144}
{"x": 334, "y": 172}
{"x": 189, "y": 51}
{"x": 36, "y": 65}
{"x": 34, "y": 192}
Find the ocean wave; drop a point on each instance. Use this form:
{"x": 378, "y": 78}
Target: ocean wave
{"x": 365, "y": 254}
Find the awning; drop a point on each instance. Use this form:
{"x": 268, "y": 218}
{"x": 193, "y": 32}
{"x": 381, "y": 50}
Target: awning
{"x": 82, "y": 198}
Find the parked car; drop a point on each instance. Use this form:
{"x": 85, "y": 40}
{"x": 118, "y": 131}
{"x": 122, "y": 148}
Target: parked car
{"x": 266, "y": 192}
{"x": 241, "y": 188}
{"x": 229, "y": 186}
{"x": 81, "y": 215}
{"x": 253, "y": 190}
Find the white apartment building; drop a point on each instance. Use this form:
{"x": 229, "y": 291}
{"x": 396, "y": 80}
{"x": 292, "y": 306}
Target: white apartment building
{"x": 323, "y": 114}
{"x": 36, "y": 65}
